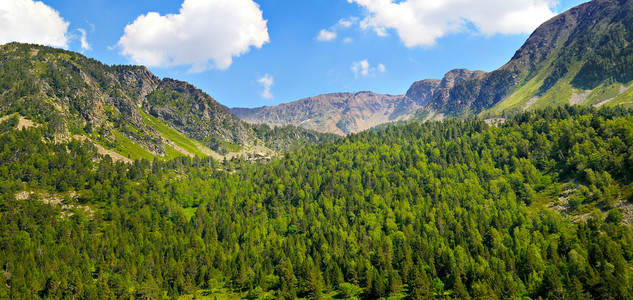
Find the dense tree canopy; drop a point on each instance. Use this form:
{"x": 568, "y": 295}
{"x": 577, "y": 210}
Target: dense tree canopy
{"x": 441, "y": 209}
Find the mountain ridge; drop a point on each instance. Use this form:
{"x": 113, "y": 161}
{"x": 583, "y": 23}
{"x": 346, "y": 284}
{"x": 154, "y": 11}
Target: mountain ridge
{"x": 111, "y": 105}
{"x": 345, "y": 112}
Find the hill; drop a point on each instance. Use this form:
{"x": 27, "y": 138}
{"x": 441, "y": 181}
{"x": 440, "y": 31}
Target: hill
{"x": 539, "y": 207}
{"x": 126, "y": 109}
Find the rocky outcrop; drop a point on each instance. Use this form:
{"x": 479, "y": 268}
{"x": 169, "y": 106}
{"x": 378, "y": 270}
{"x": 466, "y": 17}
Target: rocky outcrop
{"x": 195, "y": 113}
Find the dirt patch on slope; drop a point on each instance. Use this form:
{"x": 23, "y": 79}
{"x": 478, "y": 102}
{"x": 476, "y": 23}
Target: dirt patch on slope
{"x": 579, "y": 98}
{"x": 58, "y": 200}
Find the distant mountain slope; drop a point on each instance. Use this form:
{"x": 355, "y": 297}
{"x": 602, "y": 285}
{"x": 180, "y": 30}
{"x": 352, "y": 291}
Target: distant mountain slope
{"x": 344, "y": 113}
{"x": 125, "y": 108}
{"x": 340, "y": 113}
{"x": 427, "y": 90}
{"x": 582, "y": 56}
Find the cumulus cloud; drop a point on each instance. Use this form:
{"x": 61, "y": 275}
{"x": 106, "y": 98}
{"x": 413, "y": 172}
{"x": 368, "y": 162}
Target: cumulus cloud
{"x": 422, "y": 22}
{"x": 84, "y": 39}
{"x": 31, "y": 21}
{"x": 266, "y": 82}
{"x": 325, "y": 35}
{"x": 205, "y": 34}
{"x": 364, "y": 69}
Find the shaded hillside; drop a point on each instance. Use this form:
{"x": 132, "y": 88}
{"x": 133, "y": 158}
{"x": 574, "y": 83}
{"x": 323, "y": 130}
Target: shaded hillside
{"x": 428, "y": 90}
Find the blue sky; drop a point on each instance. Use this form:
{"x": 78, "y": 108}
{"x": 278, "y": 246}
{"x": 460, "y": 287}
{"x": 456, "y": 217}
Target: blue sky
{"x": 251, "y": 53}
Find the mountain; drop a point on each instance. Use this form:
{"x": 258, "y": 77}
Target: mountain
{"x": 583, "y": 56}
{"x": 427, "y": 90}
{"x": 126, "y": 109}
{"x": 340, "y": 113}
{"x": 344, "y": 113}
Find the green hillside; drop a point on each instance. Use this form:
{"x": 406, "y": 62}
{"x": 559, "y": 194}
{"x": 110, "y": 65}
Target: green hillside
{"x": 538, "y": 207}
{"x": 127, "y": 109}
{"x": 583, "y": 56}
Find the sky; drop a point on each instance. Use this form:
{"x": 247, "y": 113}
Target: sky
{"x": 249, "y": 53}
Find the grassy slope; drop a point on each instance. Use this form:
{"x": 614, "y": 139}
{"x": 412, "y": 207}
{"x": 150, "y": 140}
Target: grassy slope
{"x": 129, "y": 149}
{"x": 625, "y": 98}
{"x": 560, "y": 94}
{"x": 182, "y": 141}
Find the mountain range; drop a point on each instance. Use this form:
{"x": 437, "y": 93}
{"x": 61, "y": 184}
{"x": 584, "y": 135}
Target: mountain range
{"x": 583, "y": 56}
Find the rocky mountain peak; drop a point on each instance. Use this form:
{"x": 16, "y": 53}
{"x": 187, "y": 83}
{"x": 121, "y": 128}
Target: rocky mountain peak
{"x": 458, "y": 75}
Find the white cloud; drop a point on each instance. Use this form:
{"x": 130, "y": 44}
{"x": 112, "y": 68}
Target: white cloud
{"x": 348, "y": 40}
{"x": 31, "y": 21}
{"x": 84, "y": 40}
{"x": 346, "y": 23}
{"x": 205, "y": 34}
{"x": 422, "y": 22}
{"x": 325, "y": 36}
{"x": 266, "y": 83}
{"x": 360, "y": 68}
{"x": 364, "y": 69}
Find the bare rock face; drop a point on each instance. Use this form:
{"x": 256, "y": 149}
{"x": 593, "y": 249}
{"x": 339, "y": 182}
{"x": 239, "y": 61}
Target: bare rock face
{"x": 422, "y": 91}
{"x": 456, "y": 76}
{"x": 195, "y": 113}
{"x": 345, "y": 113}
{"x": 425, "y": 91}
{"x": 140, "y": 80}
{"x": 339, "y": 113}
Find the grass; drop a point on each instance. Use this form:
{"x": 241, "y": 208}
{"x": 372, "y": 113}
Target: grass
{"x": 173, "y": 135}
{"x": 226, "y": 294}
{"x": 129, "y": 149}
{"x": 560, "y": 93}
{"x": 557, "y": 95}
{"x": 625, "y": 98}
{"x": 603, "y": 92}
{"x": 232, "y": 147}
{"x": 170, "y": 153}
{"x": 222, "y": 293}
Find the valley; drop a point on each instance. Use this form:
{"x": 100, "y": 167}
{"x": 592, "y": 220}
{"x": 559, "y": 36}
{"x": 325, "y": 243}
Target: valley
{"x": 510, "y": 184}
